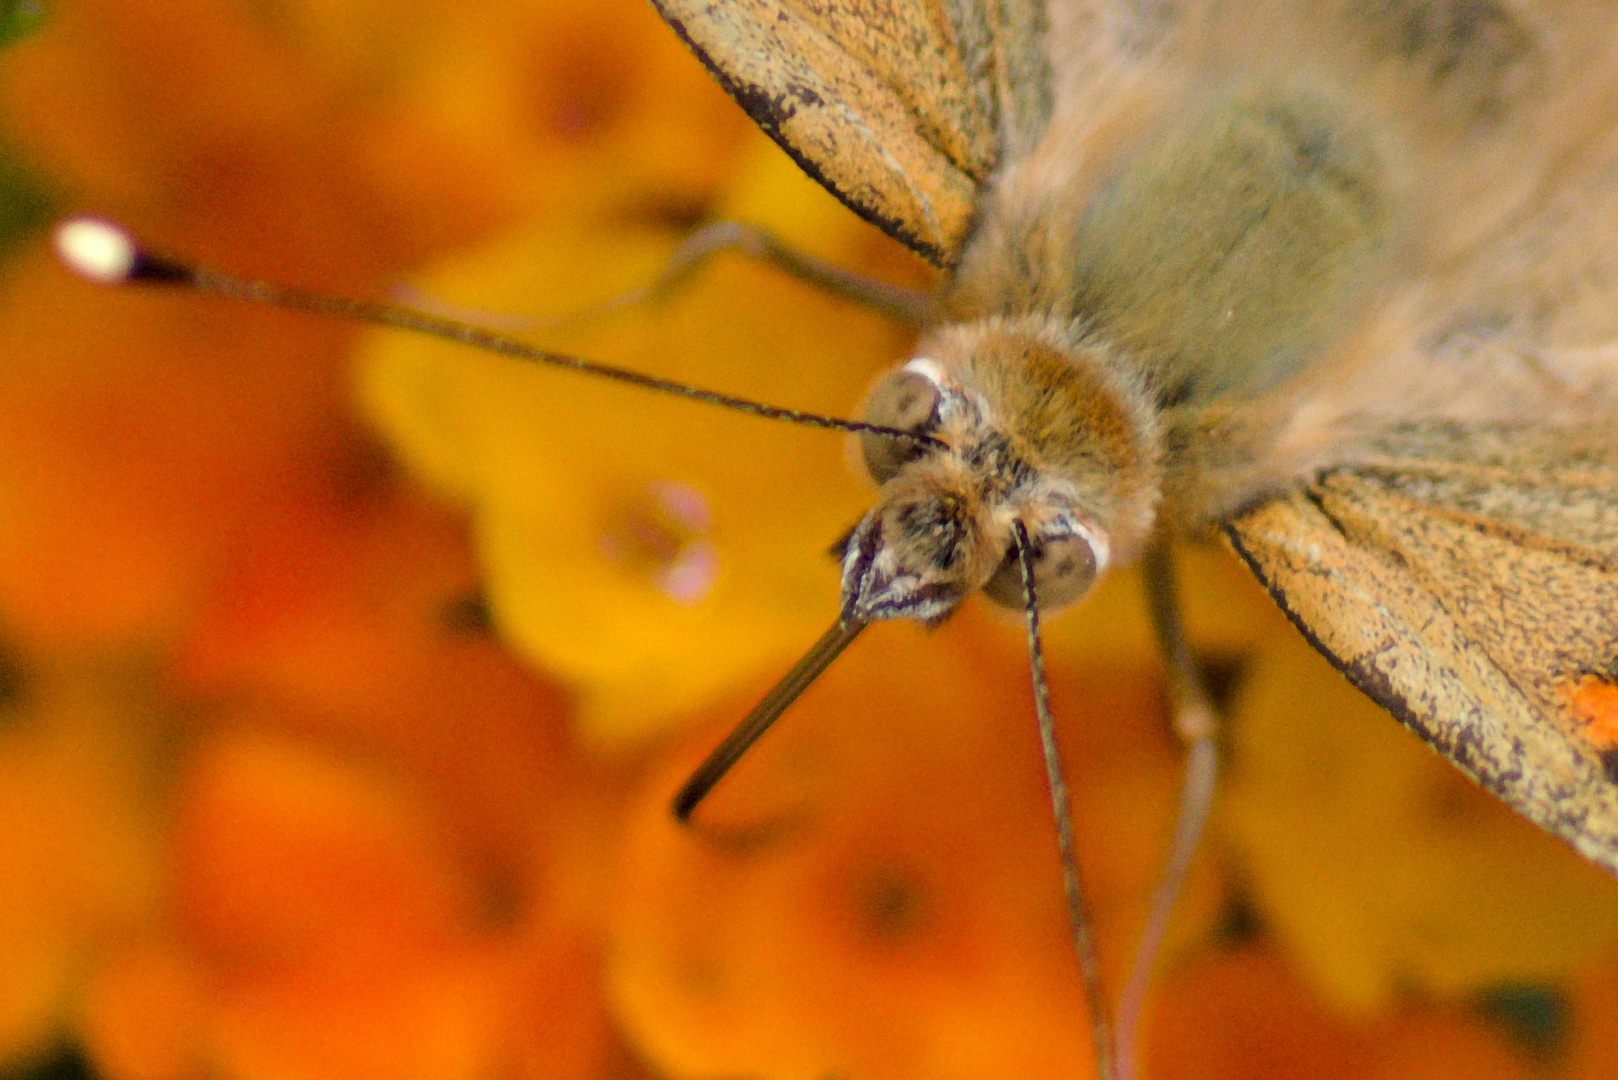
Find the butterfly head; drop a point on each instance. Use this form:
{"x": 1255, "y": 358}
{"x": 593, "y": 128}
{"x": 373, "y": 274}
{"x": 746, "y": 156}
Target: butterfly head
{"x": 945, "y": 523}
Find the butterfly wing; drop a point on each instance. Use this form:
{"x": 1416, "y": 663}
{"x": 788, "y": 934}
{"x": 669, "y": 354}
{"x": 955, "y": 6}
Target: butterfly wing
{"x": 1466, "y": 579}
{"x": 901, "y": 108}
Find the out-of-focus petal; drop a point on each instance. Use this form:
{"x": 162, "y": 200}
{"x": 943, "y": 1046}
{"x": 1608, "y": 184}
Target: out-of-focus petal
{"x": 1226, "y": 613}
{"x": 1244, "y": 1014}
{"x": 343, "y": 931}
{"x": 649, "y": 550}
{"x": 874, "y": 891}
{"x": 1440, "y": 1043}
{"x": 1380, "y": 863}
{"x": 80, "y": 819}
{"x": 144, "y": 1011}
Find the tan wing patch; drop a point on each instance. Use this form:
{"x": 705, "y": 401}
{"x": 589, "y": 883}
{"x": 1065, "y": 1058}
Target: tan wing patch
{"x": 1465, "y": 579}
{"x": 875, "y": 98}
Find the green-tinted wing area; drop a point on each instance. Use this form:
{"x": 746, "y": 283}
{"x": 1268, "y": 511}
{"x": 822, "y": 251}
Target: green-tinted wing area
{"x": 1466, "y": 579}
{"x": 901, "y": 108}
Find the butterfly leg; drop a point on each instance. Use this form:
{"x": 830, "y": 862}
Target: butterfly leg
{"x": 909, "y": 306}
{"x": 895, "y": 301}
{"x": 1197, "y": 723}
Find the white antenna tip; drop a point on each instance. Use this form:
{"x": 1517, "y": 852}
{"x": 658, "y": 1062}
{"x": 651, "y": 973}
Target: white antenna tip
{"x": 97, "y": 249}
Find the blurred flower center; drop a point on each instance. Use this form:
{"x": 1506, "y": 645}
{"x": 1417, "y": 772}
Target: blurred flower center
{"x": 663, "y": 536}
{"x": 893, "y": 906}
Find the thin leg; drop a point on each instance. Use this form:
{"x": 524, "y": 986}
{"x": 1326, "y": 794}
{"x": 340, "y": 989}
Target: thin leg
{"x": 896, "y": 302}
{"x": 1197, "y": 724}
{"x": 909, "y": 306}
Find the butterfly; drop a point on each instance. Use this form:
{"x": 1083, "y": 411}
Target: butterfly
{"x": 1320, "y": 277}
{"x": 1324, "y": 277}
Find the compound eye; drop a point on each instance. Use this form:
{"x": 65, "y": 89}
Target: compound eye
{"x": 1067, "y": 561}
{"x": 909, "y": 402}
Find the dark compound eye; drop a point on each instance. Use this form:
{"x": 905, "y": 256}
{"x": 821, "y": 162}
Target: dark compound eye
{"x": 1066, "y": 564}
{"x": 908, "y": 401}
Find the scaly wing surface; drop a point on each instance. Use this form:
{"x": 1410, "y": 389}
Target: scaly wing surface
{"x": 901, "y": 108}
{"x": 1466, "y": 579}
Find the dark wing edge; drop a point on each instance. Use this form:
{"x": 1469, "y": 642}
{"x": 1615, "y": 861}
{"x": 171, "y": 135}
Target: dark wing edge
{"x": 891, "y": 108}
{"x": 1408, "y": 620}
{"x": 1369, "y": 681}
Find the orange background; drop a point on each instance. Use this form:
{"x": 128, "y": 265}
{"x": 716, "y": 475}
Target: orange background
{"x": 340, "y": 707}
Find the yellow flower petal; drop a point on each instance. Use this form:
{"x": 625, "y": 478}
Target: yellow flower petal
{"x": 650, "y": 550}
{"x": 1380, "y": 863}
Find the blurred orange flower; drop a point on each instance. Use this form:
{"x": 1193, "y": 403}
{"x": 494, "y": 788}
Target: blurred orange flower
{"x": 874, "y": 892}
{"x": 275, "y": 801}
{"x": 1380, "y": 864}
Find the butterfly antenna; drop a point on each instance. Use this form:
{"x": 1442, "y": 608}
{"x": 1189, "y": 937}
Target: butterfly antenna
{"x": 766, "y": 712}
{"x": 107, "y": 254}
{"x": 1197, "y": 724}
{"x": 1078, "y": 911}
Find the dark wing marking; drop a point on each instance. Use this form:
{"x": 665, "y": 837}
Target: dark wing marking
{"x": 901, "y": 108}
{"x": 1466, "y": 579}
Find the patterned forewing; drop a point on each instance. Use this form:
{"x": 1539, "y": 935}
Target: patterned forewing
{"x": 894, "y": 105}
{"x": 1467, "y": 580}
{"x": 911, "y": 48}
